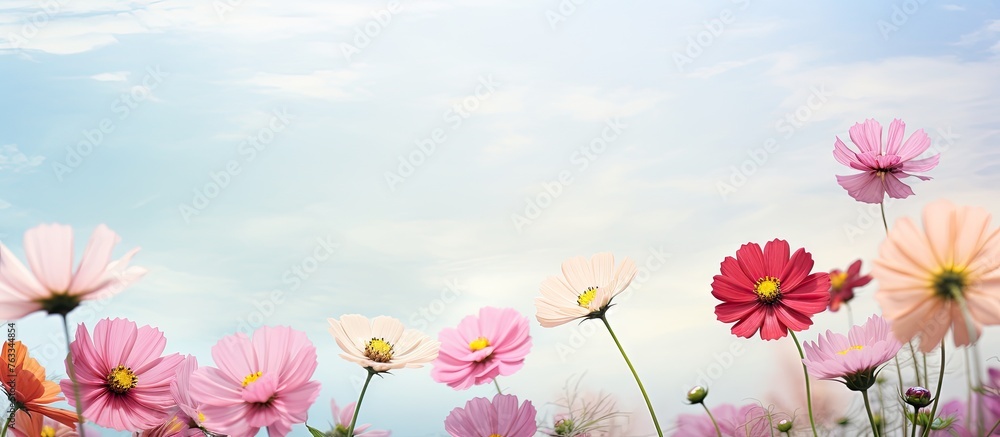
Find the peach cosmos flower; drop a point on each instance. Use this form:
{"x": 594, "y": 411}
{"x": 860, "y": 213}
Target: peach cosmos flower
{"x": 925, "y": 275}
{"x": 382, "y": 344}
{"x": 585, "y": 289}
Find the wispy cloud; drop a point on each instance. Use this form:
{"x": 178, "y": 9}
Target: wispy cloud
{"x": 14, "y": 160}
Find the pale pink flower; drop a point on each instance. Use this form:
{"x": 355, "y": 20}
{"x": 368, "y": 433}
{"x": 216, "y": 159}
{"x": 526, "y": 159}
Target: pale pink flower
{"x": 343, "y": 422}
{"x": 483, "y": 347}
{"x": 262, "y": 381}
{"x": 502, "y": 416}
{"x": 853, "y": 359}
{"x": 746, "y": 421}
{"x": 185, "y": 418}
{"x": 123, "y": 380}
{"x": 882, "y": 167}
{"x": 584, "y": 290}
{"x": 382, "y": 344}
{"x": 922, "y": 274}
{"x": 51, "y": 285}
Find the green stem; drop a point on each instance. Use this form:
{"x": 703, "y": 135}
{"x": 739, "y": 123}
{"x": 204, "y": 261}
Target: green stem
{"x": 10, "y": 418}
{"x": 497, "y": 384}
{"x": 899, "y": 374}
{"x": 850, "y": 315}
{"x": 357, "y": 408}
{"x": 809, "y": 402}
{"x": 70, "y": 368}
{"x": 916, "y": 411}
{"x": 871, "y": 418}
{"x": 916, "y": 364}
{"x": 884, "y": 222}
{"x": 937, "y": 394}
{"x": 714, "y": 423}
{"x": 995, "y": 426}
{"x": 645, "y": 396}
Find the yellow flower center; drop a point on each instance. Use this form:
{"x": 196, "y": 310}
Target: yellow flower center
{"x": 201, "y": 417}
{"x": 852, "y": 348}
{"x": 587, "y": 297}
{"x": 378, "y": 350}
{"x": 768, "y": 289}
{"x": 48, "y": 431}
{"x": 479, "y": 344}
{"x": 251, "y": 378}
{"x": 495, "y": 435}
{"x": 121, "y": 379}
{"x": 950, "y": 282}
{"x": 837, "y": 280}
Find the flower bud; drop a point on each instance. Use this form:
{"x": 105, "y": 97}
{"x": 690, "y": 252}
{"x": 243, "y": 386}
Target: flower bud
{"x": 697, "y": 394}
{"x": 784, "y": 425}
{"x": 918, "y": 397}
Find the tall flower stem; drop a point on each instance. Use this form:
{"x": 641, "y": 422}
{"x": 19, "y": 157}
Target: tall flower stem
{"x": 995, "y": 426}
{"x": 718, "y": 431}
{"x": 885, "y": 223}
{"x": 850, "y": 315}
{"x": 937, "y": 393}
{"x": 3, "y": 433}
{"x": 809, "y": 402}
{"x": 497, "y": 384}
{"x": 916, "y": 365}
{"x": 899, "y": 374}
{"x": 656, "y": 423}
{"x": 916, "y": 411}
{"x": 871, "y": 418}
{"x": 72, "y": 375}
{"x": 357, "y": 408}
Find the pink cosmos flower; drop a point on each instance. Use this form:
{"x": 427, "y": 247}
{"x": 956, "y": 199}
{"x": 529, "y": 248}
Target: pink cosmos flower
{"x": 500, "y": 417}
{"x": 124, "y": 381}
{"x": 746, "y": 421}
{"x": 382, "y": 344}
{"x": 923, "y": 273}
{"x": 882, "y": 167}
{"x": 768, "y": 291}
{"x": 53, "y": 286}
{"x": 494, "y": 343}
{"x": 853, "y": 359}
{"x": 992, "y": 395}
{"x": 843, "y": 283}
{"x": 343, "y": 422}
{"x": 585, "y": 289}
{"x": 184, "y": 419}
{"x": 260, "y": 382}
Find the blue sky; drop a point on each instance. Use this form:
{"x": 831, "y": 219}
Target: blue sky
{"x": 178, "y": 87}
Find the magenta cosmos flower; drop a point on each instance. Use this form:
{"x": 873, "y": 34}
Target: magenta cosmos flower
{"x": 53, "y": 286}
{"x": 343, "y": 422}
{"x": 922, "y": 274}
{"x": 768, "y": 291}
{"x": 585, "y": 289}
{"x": 260, "y": 382}
{"x": 748, "y": 420}
{"x": 882, "y": 167}
{"x": 499, "y": 417}
{"x": 124, "y": 381}
{"x": 482, "y": 348}
{"x": 854, "y": 359}
{"x": 381, "y": 344}
{"x": 185, "y": 418}
{"x": 843, "y": 283}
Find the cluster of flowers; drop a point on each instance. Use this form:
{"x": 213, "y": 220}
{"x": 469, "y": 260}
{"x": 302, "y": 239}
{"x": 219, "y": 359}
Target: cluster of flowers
{"x": 945, "y": 277}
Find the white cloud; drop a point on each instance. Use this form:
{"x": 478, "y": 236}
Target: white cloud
{"x": 950, "y": 7}
{"x": 116, "y": 76}
{"x": 320, "y": 84}
{"x": 595, "y": 104}
{"x": 13, "y": 159}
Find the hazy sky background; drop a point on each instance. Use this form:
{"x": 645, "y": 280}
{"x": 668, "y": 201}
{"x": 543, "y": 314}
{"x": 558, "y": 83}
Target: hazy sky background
{"x": 509, "y": 98}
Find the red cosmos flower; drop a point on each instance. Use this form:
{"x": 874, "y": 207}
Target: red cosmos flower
{"x": 842, "y": 284}
{"x": 768, "y": 291}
